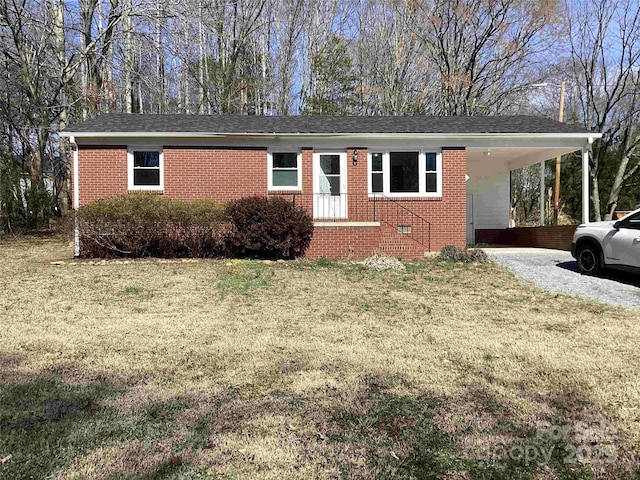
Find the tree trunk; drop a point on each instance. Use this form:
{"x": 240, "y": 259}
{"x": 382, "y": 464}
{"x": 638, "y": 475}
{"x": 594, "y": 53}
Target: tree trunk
{"x": 201, "y": 61}
{"x": 128, "y": 57}
{"x": 185, "y": 75}
{"x": 622, "y": 174}
{"x": 62, "y": 184}
{"x": 595, "y": 192}
{"x": 160, "y": 58}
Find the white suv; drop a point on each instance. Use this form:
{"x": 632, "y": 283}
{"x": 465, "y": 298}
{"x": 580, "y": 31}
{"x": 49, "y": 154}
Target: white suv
{"x": 614, "y": 244}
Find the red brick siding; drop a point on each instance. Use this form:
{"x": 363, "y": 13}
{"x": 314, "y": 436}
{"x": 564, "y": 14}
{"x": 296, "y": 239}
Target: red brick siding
{"x": 102, "y": 172}
{"x": 223, "y": 174}
{"x": 217, "y": 174}
{"x": 557, "y": 237}
{"x": 447, "y": 214}
{"x": 344, "y": 242}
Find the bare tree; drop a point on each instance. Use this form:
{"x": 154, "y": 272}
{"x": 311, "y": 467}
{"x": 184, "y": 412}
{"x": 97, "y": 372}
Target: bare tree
{"x": 395, "y": 76}
{"x": 287, "y": 29}
{"x": 605, "y": 63}
{"x": 44, "y": 85}
{"x": 64, "y": 61}
{"x": 484, "y": 50}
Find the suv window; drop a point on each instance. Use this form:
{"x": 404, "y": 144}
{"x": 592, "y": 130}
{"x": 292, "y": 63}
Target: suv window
{"x": 632, "y": 222}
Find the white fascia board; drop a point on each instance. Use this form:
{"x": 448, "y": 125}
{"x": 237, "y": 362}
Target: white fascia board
{"x": 143, "y": 134}
{"x": 439, "y": 136}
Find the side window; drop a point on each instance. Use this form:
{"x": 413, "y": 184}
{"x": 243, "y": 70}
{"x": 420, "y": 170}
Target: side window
{"x": 376, "y": 173}
{"x": 432, "y": 172}
{"x": 632, "y": 223}
{"x": 145, "y": 169}
{"x": 285, "y": 171}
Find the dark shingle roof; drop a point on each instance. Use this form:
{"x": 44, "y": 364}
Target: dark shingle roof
{"x": 241, "y": 124}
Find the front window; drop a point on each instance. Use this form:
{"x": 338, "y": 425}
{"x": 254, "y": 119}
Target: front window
{"x": 145, "y": 169}
{"x": 431, "y": 181}
{"x": 285, "y": 172}
{"x": 402, "y": 174}
{"x": 377, "y": 184}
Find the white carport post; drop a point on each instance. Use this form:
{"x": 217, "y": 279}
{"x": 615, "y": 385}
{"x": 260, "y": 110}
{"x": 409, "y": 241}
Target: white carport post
{"x": 76, "y": 196}
{"x": 585, "y": 184}
{"x": 542, "y": 193}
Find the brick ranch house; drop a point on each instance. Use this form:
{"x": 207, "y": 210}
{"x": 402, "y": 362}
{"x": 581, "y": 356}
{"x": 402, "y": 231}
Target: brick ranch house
{"x": 402, "y": 185}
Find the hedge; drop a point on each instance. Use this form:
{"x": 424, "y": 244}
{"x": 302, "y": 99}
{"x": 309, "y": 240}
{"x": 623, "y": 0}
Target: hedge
{"x": 149, "y": 225}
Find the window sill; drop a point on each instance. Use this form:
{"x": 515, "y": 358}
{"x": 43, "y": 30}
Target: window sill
{"x": 345, "y": 223}
{"x": 285, "y": 190}
{"x": 381, "y": 197}
{"x": 157, "y": 191}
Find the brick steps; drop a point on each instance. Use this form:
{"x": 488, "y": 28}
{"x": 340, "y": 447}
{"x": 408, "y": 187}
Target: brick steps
{"x": 395, "y": 243}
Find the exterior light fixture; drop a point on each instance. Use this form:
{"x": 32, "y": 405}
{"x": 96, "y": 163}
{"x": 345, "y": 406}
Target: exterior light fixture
{"x": 354, "y": 158}
{"x": 488, "y": 152}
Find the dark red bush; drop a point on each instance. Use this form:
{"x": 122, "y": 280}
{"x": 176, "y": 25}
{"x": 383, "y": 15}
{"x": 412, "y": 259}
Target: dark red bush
{"x": 268, "y": 228}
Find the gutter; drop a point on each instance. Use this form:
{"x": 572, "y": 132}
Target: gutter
{"x": 586, "y": 135}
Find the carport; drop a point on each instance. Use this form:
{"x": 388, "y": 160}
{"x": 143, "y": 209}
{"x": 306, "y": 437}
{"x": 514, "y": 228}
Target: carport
{"x": 489, "y": 163}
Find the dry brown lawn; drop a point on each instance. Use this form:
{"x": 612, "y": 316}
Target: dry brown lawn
{"x": 271, "y": 366}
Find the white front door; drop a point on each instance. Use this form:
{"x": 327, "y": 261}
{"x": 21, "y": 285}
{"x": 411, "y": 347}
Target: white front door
{"x": 330, "y": 185}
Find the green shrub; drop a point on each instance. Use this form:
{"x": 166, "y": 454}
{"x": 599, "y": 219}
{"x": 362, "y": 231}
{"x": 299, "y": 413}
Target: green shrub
{"x": 269, "y": 228}
{"x": 144, "y": 224}
{"x": 451, "y": 253}
{"x": 25, "y": 203}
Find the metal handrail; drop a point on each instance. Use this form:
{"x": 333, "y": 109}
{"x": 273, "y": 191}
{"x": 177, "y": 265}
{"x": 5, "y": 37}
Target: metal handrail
{"x": 364, "y": 207}
{"x": 411, "y": 212}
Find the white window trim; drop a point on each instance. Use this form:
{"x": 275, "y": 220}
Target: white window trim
{"x": 130, "y": 151}
{"x": 273, "y": 188}
{"x": 422, "y": 175}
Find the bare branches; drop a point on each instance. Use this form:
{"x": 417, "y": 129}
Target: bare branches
{"x": 605, "y": 60}
{"x": 67, "y": 60}
{"x": 483, "y": 50}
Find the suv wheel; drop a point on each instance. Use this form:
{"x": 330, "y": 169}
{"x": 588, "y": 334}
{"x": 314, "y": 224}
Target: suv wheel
{"x": 588, "y": 257}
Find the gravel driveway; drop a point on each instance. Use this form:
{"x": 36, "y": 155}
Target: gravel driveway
{"x": 556, "y": 271}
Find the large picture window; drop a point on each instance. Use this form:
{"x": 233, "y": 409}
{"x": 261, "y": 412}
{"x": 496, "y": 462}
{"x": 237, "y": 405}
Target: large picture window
{"x": 403, "y": 170}
{"x": 405, "y": 173}
{"x": 285, "y": 172}
{"x": 145, "y": 169}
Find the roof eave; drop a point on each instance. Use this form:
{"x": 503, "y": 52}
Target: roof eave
{"x": 576, "y": 135}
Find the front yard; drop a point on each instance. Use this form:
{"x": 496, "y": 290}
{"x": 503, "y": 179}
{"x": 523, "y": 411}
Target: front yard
{"x": 229, "y": 369}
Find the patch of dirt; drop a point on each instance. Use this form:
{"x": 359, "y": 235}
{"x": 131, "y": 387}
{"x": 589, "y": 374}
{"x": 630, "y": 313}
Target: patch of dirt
{"x": 290, "y": 366}
{"x": 10, "y": 371}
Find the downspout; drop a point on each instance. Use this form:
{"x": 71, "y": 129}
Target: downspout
{"x": 76, "y": 196}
